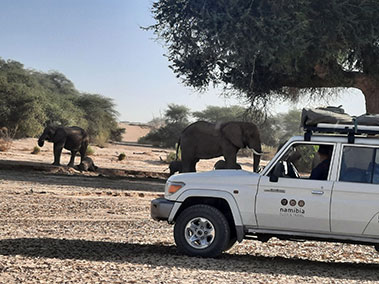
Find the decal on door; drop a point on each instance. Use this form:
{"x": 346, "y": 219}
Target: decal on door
{"x": 292, "y": 208}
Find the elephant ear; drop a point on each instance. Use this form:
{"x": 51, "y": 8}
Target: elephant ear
{"x": 233, "y": 133}
{"x": 59, "y": 135}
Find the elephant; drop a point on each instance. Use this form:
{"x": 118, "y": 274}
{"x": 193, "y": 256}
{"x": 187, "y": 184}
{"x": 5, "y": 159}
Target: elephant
{"x": 205, "y": 140}
{"x": 221, "y": 165}
{"x": 87, "y": 164}
{"x": 175, "y": 166}
{"x": 72, "y": 138}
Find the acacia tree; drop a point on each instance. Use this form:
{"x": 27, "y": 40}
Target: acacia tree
{"x": 218, "y": 114}
{"x": 30, "y": 100}
{"x": 266, "y": 49}
{"x": 177, "y": 114}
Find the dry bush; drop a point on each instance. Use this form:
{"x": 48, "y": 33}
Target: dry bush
{"x": 170, "y": 157}
{"x": 268, "y": 152}
{"x": 244, "y": 152}
{"x": 5, "y": 140}
{"x": 90, "y": 151}
{"x": 121, "y": 157}
{"x": 36, "y": 150}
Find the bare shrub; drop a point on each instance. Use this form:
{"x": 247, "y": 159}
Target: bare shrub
{"x": 121, "y": 157}
{"x": 36, "y": 150}
{"x": 90, "y": 151}
{"x": 170, "y": 157}
{"x": 5, "y": 139}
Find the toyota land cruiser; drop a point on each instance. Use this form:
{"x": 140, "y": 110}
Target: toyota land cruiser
{"x": 212, "y": 210}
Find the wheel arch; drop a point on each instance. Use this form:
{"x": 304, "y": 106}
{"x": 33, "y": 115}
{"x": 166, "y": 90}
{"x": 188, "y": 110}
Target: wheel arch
{"x": 223, "y": 201}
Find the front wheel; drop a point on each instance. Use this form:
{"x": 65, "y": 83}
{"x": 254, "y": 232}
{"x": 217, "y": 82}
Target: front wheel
{"x": 202, "y": 230}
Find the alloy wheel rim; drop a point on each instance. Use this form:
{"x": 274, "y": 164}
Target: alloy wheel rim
{"x": 199, "y": 233}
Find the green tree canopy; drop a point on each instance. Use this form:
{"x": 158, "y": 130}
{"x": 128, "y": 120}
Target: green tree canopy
{"x": 267, "y": 49}
{"x": 100, "y": 114}
{"x": 216, "y": 113}
{"x": 176, "y": 119}
{"x": 31, "y": 100}
{"x": 289, "y": 124}
{"x": 177, "y": 114}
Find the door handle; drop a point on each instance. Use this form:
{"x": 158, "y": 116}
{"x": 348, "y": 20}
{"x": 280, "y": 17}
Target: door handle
{"x": 275, "y": 190}
{"x": 319, "y": 192}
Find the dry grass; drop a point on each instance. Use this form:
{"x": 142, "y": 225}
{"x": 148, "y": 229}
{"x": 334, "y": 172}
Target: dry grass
{"x": 5, "y": 140}
{"x": 5, "y": 144}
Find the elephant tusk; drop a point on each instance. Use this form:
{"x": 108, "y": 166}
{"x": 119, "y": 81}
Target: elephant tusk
{"x": 256, "y": 153}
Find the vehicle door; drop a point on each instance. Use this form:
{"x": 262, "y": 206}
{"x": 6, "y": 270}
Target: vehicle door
{"x": 294, "y": 201}
{"x": 355, "y": 197}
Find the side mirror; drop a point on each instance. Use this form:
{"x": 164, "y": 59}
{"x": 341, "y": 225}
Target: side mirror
{"x": 274, "y": 178}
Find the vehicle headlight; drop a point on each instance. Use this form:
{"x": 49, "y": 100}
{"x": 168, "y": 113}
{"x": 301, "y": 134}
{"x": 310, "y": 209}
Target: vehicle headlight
{"x": 173, "y": 187}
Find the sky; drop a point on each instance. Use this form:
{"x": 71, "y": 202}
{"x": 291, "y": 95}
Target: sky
{"x": 99, "y": 45}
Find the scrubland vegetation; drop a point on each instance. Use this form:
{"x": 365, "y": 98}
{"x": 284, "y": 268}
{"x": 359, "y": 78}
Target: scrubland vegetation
{"x": 31, "y": 100}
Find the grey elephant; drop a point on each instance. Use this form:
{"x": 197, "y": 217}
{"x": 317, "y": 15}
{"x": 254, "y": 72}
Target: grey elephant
{"x": 175, "y": 166}
{"x": 204, "y": 140}
{"x": 221, "y": 165}
{"x": 74, "y": 139}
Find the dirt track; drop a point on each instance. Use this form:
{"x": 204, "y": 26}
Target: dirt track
{"x": 65, "y": 229}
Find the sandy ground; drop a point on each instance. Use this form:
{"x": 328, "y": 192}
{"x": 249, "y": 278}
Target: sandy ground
{"x": 137, "y": 157}
{"x": 134, "y": 131}
{"x": 73, "y": 229}
{"x": 57, "y": 231}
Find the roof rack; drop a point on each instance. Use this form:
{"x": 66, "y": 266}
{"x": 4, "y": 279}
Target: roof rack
{"x": 349, "y": 129}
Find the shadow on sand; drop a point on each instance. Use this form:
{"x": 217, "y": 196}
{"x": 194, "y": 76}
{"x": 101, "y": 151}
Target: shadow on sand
{"x": 61, "y": 175}
{"x": 166, "y": 255}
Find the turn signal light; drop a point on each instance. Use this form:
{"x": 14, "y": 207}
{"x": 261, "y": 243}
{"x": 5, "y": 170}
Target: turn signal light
{"x": 174, "y": 187}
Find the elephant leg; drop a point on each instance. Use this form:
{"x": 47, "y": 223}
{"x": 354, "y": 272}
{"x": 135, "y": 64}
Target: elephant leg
{"x": 72, "y": 159}
{"x": 186, "y": 166}
{"x": 83, "y": 150}
{"x": 193, "y": 165}
{"x": 189, "y": 166}
{"x": 57, "y": 153}
{"x": 186, "y": 161}
{"x": 82, "y": 153}
{"x": 231, "y": 160}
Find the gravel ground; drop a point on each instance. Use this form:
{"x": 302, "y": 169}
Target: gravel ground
{"x": 55, "y": 232}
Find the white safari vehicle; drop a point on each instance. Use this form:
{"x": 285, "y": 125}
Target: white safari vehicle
{"x": 212, "y": 210}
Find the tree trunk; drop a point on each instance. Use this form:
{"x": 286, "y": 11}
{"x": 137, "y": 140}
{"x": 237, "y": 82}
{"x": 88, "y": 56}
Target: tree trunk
{"x": 370, "y": 89}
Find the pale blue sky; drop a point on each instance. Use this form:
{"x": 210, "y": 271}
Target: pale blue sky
{"x": 99, "y": 46}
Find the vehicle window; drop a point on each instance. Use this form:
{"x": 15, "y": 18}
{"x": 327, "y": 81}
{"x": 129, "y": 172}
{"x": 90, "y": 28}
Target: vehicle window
{"x": 359, "y": 165}
{"x": 375, "y": 178}
{"x": 305, "y": 161}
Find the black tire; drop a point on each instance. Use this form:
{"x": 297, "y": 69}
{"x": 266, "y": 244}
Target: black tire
{"x": 201, "y": 230}
{"x": 377, "y": 247}
{"x": 231, "y": 243}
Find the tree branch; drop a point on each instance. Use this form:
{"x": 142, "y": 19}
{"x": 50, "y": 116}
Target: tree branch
{"x": 323, "y": 77}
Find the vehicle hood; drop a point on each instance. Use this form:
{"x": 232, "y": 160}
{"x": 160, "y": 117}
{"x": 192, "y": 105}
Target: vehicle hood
{"x": 216, "y": 177}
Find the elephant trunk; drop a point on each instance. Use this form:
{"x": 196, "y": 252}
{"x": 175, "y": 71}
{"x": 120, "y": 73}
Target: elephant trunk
{"x": 41, "y": 141}
{"x": 257, "y": 159}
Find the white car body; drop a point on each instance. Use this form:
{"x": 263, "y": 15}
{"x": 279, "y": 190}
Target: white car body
{"x": 330, "y": 210}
